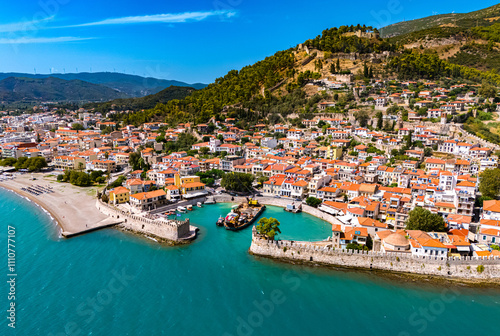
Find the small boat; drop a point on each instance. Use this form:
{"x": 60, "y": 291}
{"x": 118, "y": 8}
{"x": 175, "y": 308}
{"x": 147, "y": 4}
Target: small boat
{"x": 243, "y": 215}
{"x": 220, "y": 221}
{"x": 199, "y": 205}
{"x": 189, "y": 207}
{"x": 181, "y": 209}
{"x": 293, "y": 207}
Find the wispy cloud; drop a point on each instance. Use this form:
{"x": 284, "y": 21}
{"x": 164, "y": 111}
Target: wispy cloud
{"x": 37, "y": 40}
{"x": 25, "y": 25}
{"x": 161, "y": 18}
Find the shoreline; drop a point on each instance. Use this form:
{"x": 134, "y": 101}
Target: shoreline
{"x": 71, "y": 208}
{"x": 53, "y": 217}
{"x": 392, "y": 275}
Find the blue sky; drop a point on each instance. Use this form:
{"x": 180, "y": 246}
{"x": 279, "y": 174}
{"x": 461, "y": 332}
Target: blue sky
{"x": 189, "y": 40}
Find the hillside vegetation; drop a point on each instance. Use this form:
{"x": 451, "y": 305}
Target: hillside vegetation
{"x": 483, "y": 17}
{"x": 148, "y": 102}
{"x": 53, "y": 89}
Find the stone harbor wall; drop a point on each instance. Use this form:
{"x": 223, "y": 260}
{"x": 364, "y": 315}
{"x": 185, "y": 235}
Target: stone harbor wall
{"x": 173, "y": 230}
{"x": 468, "y": 268}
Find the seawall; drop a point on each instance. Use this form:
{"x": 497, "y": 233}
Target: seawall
{"x": 466, "y": 269}
{"x": 169, "y": 230}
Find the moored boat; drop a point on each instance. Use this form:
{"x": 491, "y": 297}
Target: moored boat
{"x": 220, "y": 221}
{"x": 189, "y": 207}
{"x": 199, "y": 205}
{"x": 293, "y": 207}
{"x": 243, "y": 215}
{"x": 181, "y": 209}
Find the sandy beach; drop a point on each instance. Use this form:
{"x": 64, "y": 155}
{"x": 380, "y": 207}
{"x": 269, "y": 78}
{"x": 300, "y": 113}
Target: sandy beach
{"x": 73, "y": 208}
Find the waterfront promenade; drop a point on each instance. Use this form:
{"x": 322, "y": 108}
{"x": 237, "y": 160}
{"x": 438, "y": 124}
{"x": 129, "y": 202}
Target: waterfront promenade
{"x": 72, "y": 208}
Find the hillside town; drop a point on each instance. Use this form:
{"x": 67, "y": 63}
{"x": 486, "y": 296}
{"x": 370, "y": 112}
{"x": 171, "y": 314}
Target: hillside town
{"x": 370, "y": 166}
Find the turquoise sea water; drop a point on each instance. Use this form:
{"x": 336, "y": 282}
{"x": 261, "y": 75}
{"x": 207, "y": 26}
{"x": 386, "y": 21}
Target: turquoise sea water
{"x": 112, "y": 283}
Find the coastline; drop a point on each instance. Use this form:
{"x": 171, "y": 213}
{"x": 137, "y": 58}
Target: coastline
{"x": 387, "y": 273}
{"x": 71, "y": 208}
{"x": 53, "y": 216}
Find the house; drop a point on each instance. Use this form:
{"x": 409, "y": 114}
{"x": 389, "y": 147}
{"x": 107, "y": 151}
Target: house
{"x": 489, "y": 236}
{"x": 381, "y": 101}
{"x": 69, "y": 162}
{"x": 148, "y": 200}
{"x": 432, "y": 163}
{"x": 423, "y": 244}
{"x": 491, "y": 210}
{"x": 119, "y": 195}
{"x": 353, "y": 235}
{"x": 173, "y": 192}
{"x": 371, "y": 225}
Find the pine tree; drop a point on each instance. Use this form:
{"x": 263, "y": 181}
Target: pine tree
{"x": 332, "y": 68}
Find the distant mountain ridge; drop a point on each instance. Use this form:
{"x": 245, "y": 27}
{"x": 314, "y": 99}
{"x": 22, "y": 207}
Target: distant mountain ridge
{"x": 147, "y": 102}
{"x": 14, "y": 89}
{"x": 482, "y": 17}
{"x": 130, "y": 85}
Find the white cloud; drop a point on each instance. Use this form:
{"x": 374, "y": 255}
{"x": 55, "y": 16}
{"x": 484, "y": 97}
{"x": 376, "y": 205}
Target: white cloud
{"x": 37, "y": 40}
{"x": 25, "y": 25}
{"x": 161, "y": 18}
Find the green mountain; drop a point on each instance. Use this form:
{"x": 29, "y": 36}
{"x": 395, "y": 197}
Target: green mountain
{"x": 147, "y": 102}
{"x": 276, "y": 88}
{"x": 483, "y": 17}
{"x": 53, "y": 89}
{"x": 131, "y": 85}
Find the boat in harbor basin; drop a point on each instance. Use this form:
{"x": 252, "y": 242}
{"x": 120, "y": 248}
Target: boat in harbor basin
{"x": 243, "y": 215}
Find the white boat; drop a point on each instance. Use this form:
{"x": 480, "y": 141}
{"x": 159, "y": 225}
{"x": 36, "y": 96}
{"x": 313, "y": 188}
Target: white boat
{"x": 199, "y": 204}
{"x": 181, "y": 209}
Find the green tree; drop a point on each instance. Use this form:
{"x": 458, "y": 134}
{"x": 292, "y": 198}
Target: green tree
{"x": 489, "y": 183}
{"x": 8, "y": 162}
{"x": 487, "y": 90}
{"x": 354, "y": 246}
{"x": 422, "y": 219}
{"x": 268, "y": 227}
{"x": 134, "y": 160}
{"x": 380, "y": 120}
{"x": 313, "y": 201}
{"x": 362, "y": 117}
{"x": 237, "y": 181}
{"x": 332, "y": 68}
{"x": 77, "y": 127}
{"x": 118, "y": 182}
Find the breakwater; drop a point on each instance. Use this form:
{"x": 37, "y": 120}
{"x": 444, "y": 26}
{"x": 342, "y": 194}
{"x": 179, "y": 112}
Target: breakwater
{"x": 465, "y": 268}
{"x": 168, "y": 229}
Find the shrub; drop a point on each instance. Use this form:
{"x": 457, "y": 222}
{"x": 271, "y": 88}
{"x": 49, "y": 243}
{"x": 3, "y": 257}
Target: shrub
{"x": 480, "y": 269}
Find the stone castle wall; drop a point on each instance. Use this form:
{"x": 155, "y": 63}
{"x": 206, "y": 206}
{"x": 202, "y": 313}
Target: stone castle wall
{"x": 171, "y": 230}
{"x": 463, "y": 268}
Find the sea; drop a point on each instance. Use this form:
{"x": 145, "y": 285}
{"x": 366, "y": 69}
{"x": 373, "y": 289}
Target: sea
{"x": 114, "y": 283}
